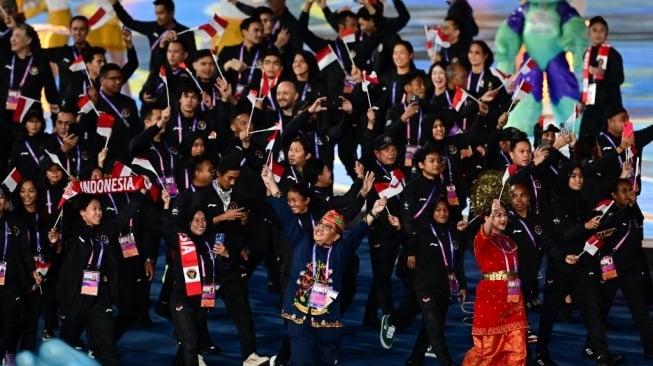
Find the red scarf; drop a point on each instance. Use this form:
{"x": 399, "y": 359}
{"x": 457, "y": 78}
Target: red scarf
{"x": 190, "y": 265}
{"x": 602, "y": 58}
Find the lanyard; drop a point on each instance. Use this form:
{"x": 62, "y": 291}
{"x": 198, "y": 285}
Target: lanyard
{"x": 384, "y": 169}
{"x": 99, "y": 258}
{"x": 317, "y": 146}
{"x": 48, "y": 201}
{"x": 180, "y": 127}
{"x": 528, "y": 231}
{"x": 13, "y": 70}
{"x": 451, "y": 249}
{"x": 419, "y": 127}
{"x": 537, "y": 201}
{"x": 621, "y": 162}
{"x": 106, "y": 99}
{"x": 450, "y": 171}
{"x": 428, "y": 199}
{"x": 500, "y": 242}
{"x": 478, "y": 82}
{"x": 31, "y": 152}
{"x": 292, "y": 171}
{"x": 252, "y": 66}
{"x": 4, "y": 251}
{"x": 326, "y": 264}
{"x": 446, "y": 94}
{"x": 115, "y": 207}
{"x": 312, "y": 221}
{"x": 304, "y": 91}
{"x": 394, "y": 93}
{"x": 622, "y": 239}
{"x": 161, "y": 163}
{"x": 37, "y": 234}
{"x": 212, "y": 256}
{"x": 158, "y": 40}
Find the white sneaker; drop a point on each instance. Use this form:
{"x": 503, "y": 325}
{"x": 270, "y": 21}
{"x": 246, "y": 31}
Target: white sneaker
{"x": 255, "y": 360}
{"x": 429, "y": 353}
{"x": 200, "y": 360}
{"x": 273, "y": 359}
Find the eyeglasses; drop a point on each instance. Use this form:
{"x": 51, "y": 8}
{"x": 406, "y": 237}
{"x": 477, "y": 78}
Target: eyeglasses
{"x": 324, "y": 225}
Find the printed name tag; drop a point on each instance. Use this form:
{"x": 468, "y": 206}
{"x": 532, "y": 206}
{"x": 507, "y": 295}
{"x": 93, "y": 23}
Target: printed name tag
{"x": 319, "y": 295}
{"x": 608, "y": 271}
{"x": 514, "y": 290}
{"x": 128, "y": 245}
{"x": 90, "y": 283}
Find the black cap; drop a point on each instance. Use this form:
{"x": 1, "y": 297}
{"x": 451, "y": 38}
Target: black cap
{"x": 508, "y": 133}
{"x": 381, "y": 141}
{"x": 551, "y": 127}
{"x": 613, "y": 110}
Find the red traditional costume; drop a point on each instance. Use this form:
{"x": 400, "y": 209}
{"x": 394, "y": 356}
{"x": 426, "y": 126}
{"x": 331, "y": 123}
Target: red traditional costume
{"x": 500, "y": 325}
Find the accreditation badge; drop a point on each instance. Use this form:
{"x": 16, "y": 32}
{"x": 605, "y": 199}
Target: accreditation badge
{"x": 90, "y": 283}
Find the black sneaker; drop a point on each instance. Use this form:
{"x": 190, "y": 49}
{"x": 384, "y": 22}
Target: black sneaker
{"x": 609, "y": 359}
{"x": 210, "y": 349}
{"x": 46, "y": 335}
{"x": 387, "y": 332}
{"x": 589, "y": 353}
{"x": 543, "y": 359}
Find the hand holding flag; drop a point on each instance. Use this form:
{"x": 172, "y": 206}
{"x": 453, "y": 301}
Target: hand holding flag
{"x": 23, "y": 106}
{"x": 105, "y": 123}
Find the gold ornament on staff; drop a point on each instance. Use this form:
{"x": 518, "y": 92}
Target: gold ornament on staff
{"x": 486, "y": 187}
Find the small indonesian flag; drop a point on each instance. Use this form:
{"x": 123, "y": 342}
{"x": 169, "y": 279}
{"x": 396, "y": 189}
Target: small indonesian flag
{"x": 277, "y": 171}
{"x": 69, "y": 192}
{"x": 252, "y": 96}
{"x": 369, "y": 79}
{"x": 603, "y": 207}
{"x": 325, "y": 57}
{"x": 145, "y": 164}
{"x": 510, "y": 171}
{"x": 214, "y": 27}
{"x": 459, "y": 98}
{"x": 78, "y": 64}
{"x": 348, "y": 35}
{"x": 120, "y": 170}
{"x": 523, "y": 91}
{"x": 392, "y": 188}
{"x": 85, "y": 104}
{"x": 55, "y": 160}
{"x": 99, "y": 18}
{"x": 163, "y": 74}
{"x": 105, "y": 124}
{"x": 271, "y": 139}
{"x": 545, "y": 121}
{"x": 500, "y": 75}
{"x": 528, "y": 66}
{"x": 441, "y": 39}
{"x": 12, "y": 180}
{"x": 23, "y": 106}
{"x": 573, "y": 116}
{"x": 264, "y": 87}
{"x": 593, "y": 244}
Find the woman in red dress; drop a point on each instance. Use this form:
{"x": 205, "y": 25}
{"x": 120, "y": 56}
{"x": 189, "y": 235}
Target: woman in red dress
{"x": 499, "y": 329}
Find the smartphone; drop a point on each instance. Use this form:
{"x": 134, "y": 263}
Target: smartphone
{"x": 628, "y": 131}
{"x": 605, "y": 233}
{"x": 75, "y": 128}
{"x": 219, "y": 239}
{"x": 413, "y": 99}
{"x": 331, "y": 103}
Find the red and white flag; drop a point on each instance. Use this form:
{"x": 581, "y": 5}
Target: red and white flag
{"x": 603, "y": 207}
{"x": 85, "y": 104}
{"x": 276, "y": 127}
{"x": 593, "y": 244}
{"x": 277, "y": 171}
{"x": 78, "y": 64}
{"x": 459, "y": 98}
{"x": 573, "y": 116}
{"x": 368, "y": 79}
{"x": 55, "y": 160}
{"x": 271, "y": 140}
{"x": 105, "y": 125}
{"x": 215, "y": 27}
{"x": 163, "y": 74}
{"x": 252, "y": 96}
{"x": 120, "y": 170}
{"x": 69, "y": 192}
{"x": 502, "y": 76}
{"x": 392, "y": 188}
{"x": 23, "y": 106}
{"x": 510, "y": 171}
{"x": 145, "y": 164}
{"x": 522, "y": 91}
{"x": 441, "y": 39}
{"x": 99, "y": 18}
{"x": 326, "y": 57}
{"x": 12, "y": 180}
{"x": 348, "y": 35}
{"x": 528, "y": 66}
